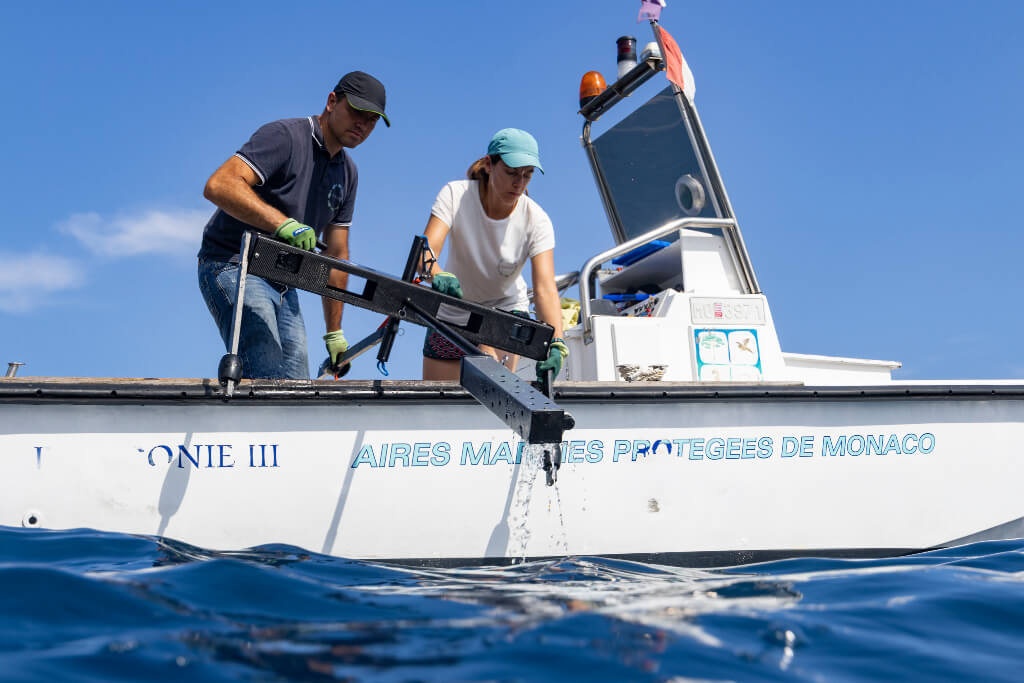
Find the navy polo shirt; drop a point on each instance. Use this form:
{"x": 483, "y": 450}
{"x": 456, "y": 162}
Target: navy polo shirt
{"x": 296, "y": 176}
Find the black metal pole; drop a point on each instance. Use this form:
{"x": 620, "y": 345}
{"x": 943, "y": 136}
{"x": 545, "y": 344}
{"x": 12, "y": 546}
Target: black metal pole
{"x": 464, "y": 345}
{"x": 409, "y": 274}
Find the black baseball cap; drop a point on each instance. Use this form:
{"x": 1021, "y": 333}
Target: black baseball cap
{"x": 363, "y": 92}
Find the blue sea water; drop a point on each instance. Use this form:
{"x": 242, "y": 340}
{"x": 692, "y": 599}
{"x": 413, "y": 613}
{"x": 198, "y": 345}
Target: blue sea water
{"x": 83, "y": 605}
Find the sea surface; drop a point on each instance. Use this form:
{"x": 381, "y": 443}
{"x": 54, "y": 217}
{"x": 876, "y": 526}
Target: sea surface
{"x": 88, "y": 606}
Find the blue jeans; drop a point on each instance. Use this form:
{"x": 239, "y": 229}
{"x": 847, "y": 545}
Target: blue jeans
{"x": 272, "y": 342}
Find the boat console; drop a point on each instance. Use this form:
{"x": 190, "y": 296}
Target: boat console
{"x": 676, "y": 299}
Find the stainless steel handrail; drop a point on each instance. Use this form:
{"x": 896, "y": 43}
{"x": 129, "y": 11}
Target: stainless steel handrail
{"x": 587, "y": 271}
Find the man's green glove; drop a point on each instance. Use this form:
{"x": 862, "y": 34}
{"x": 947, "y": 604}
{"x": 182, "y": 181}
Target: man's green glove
{"x": 446, "y": 283}
{"x": 336, "y": 345}
{"x": 557, "y": 353}
{"x": 297, "y": 234}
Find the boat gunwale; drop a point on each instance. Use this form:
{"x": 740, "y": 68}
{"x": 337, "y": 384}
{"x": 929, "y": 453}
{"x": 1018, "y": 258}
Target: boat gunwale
{"x": 38, "y": 390}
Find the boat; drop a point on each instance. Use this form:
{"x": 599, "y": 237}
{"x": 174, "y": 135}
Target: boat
{"x": 680, "y": 432}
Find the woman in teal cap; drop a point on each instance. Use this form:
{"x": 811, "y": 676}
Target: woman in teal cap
{"x": 492, "y": 228}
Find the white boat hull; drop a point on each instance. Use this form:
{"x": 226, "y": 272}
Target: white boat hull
{"x": 692, "y": 478}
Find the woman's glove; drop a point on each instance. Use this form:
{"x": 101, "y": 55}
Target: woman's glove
{"x": 336, "y": 345}
{"x": 446, "y": 283}
{"x": 297, "y": 234}
{"x": 557, "y": 353}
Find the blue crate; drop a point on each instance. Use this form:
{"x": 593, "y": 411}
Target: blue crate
{"x": 637, "y": 296}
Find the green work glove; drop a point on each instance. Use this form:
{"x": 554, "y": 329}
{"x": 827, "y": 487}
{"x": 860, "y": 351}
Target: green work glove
{"x": 446, "y": 283}
{"x": 557, "y": 353}
{"x": 297, "y": 234}
{"x": 336, "y": 345}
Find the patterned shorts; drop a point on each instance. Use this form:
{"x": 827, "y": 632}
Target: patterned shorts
{"x": 438, "y": 347}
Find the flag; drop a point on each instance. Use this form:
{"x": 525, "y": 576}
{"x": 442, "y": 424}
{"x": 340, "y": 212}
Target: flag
{"x": 650, "y": 9}
{"x": 676, "y": 68}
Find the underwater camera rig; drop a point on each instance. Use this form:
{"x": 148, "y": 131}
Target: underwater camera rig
{"x": 527, "y": 409}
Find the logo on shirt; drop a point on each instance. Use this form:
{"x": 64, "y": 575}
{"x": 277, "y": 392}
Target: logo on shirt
{"x": 506, "y": 267}
{"x": 334, "y": 197}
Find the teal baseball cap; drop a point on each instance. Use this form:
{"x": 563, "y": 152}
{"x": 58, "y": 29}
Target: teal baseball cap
{"x": 516, "y": 148}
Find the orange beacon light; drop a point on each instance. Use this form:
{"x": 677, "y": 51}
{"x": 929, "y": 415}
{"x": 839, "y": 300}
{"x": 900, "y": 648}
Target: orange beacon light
{"x": 591, "y": 85}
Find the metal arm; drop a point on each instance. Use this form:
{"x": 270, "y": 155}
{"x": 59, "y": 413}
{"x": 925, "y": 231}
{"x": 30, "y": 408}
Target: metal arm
{"x": 532, "y": 415}
{"x": 376, "y": 291}
{"x": 529, "y": 413}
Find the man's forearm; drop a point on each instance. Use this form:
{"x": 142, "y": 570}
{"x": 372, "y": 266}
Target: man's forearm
{"x": 239, "y": 200}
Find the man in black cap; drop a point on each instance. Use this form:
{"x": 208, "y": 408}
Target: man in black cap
{"x": 294, "y": 179}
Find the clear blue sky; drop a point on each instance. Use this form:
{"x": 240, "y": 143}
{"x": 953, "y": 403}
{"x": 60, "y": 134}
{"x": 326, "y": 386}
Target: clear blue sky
{"x": 872, "y": 151}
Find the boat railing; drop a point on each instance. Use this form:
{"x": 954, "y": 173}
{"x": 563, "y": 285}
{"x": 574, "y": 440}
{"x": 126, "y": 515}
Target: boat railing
{"x": 587, "y": 273}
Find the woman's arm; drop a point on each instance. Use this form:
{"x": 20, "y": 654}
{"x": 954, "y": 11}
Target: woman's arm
{"x": 336, "y": 237}
{"x": 545, "y": 293}
{"x": 436, "y": 233}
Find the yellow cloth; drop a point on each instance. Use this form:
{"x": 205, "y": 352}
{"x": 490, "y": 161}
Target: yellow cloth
{"x": 570, "y": 312}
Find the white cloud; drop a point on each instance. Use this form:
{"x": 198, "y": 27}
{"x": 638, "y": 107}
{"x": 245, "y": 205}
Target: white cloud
{"x": 25, "y": 280}
{"x": 147, "y": 232}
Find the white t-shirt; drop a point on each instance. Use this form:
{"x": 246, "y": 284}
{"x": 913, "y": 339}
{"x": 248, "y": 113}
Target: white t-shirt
{"x": 488, "y": 255}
